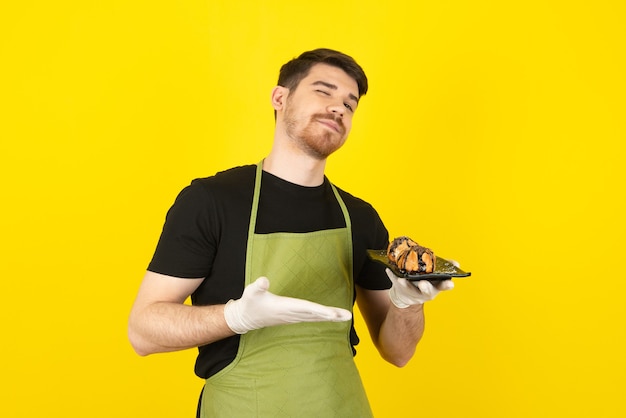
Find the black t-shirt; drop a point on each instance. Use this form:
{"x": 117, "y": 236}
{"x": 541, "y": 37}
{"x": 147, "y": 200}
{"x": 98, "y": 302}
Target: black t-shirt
{"x": 206, "y": 231}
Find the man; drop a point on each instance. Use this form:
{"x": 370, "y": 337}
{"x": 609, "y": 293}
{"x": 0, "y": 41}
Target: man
{"x": 274, "y": 257}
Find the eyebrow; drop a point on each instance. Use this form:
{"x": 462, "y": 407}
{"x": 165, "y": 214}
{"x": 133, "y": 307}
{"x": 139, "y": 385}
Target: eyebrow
{"x": 333, "y": 87}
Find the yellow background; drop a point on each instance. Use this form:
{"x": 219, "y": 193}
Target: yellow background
{"x": 493, "y": 133}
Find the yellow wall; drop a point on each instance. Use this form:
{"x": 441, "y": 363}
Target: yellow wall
{"x": 494, "y": 133}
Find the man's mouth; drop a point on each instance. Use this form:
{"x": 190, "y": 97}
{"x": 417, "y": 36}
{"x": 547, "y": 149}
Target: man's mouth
{"x": 333, "y": 123}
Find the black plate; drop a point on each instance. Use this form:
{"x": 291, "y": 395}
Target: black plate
{"x": 444, "y": 269}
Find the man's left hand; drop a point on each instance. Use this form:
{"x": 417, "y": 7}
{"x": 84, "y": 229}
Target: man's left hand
{"x": 405, "y": 293}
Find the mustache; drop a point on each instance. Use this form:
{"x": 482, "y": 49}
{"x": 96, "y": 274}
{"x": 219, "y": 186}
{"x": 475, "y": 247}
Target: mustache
{"x": 337, "y": 119}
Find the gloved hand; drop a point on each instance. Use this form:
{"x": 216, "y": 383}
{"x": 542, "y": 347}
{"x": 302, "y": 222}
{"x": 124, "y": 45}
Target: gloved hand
{"x": 258, "y": 308}
{"x": 405, "y": 293}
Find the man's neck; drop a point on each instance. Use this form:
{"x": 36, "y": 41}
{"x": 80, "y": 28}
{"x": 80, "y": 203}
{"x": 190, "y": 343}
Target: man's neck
{"x": 295, "y": 167}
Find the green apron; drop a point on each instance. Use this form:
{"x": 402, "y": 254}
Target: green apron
{"x": 296, "y": 370}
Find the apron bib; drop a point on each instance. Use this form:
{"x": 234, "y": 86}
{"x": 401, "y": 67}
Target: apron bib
{"x": 296, "y": 370}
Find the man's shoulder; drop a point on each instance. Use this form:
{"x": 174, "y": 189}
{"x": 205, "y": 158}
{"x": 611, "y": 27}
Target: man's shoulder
{"x": 352, "y": 200}
{"x": 236, "y": 176}
{"x": 233, "y": 183}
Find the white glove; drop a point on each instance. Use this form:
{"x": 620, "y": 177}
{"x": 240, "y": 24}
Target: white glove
{"x": 258, "y": 308}
{"x": 405, "y": 293}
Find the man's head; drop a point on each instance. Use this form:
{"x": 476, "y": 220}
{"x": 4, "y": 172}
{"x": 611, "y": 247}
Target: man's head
{"x": 315, "y": 100}
{"x": 295, "y": 70}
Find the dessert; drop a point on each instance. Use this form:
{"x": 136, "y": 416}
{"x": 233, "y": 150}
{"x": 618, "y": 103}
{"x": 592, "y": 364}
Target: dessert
{"x": 410, "y": 257}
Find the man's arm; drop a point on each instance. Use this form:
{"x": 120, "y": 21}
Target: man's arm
{"x": 160, "y": 321}
{"x": 395, "y": 318}
{"x": 394, "y": 331}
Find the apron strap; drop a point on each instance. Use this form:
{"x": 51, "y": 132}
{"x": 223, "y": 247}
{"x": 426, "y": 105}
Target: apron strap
{"x": 253, "y": 212}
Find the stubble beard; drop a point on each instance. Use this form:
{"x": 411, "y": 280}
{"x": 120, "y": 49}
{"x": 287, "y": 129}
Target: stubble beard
{"x": 314, "y": 140}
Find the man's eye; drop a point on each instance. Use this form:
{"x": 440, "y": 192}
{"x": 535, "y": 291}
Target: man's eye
{"x": 323, "y": 92}
{"x": 347, "y": 105}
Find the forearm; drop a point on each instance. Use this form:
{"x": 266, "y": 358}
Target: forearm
{"x": 169, "y": 326}
{"x": 400, "y": 333}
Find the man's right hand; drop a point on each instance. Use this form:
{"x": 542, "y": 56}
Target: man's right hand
{"x": 259, "y": 308}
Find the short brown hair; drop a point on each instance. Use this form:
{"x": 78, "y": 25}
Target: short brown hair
{"x": 298, "y": 68}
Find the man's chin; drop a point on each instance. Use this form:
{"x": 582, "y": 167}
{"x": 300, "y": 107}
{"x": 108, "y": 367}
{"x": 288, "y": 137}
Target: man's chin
{"x": 323, "y": 151}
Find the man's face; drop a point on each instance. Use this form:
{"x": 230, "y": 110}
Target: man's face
{"x": 318, "y": 113}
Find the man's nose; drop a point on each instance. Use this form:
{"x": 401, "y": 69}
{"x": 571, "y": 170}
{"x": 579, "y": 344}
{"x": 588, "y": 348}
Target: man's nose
{"x": 337, "y": 109}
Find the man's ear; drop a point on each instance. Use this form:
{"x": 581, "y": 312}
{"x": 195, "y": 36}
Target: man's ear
{"x": 279, "y": 96}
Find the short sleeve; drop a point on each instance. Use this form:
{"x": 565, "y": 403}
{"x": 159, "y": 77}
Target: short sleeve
{"x": 187, "y": 244}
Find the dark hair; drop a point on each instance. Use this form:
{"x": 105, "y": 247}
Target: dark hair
{"x": 298, "y": 68}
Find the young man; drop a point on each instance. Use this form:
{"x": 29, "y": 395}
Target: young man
{"x": 274, "y": 257}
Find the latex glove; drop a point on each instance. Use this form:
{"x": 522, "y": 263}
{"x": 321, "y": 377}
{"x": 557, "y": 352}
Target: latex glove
{"x": 259, "y": 308}
{"x": 405, "y": 293}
